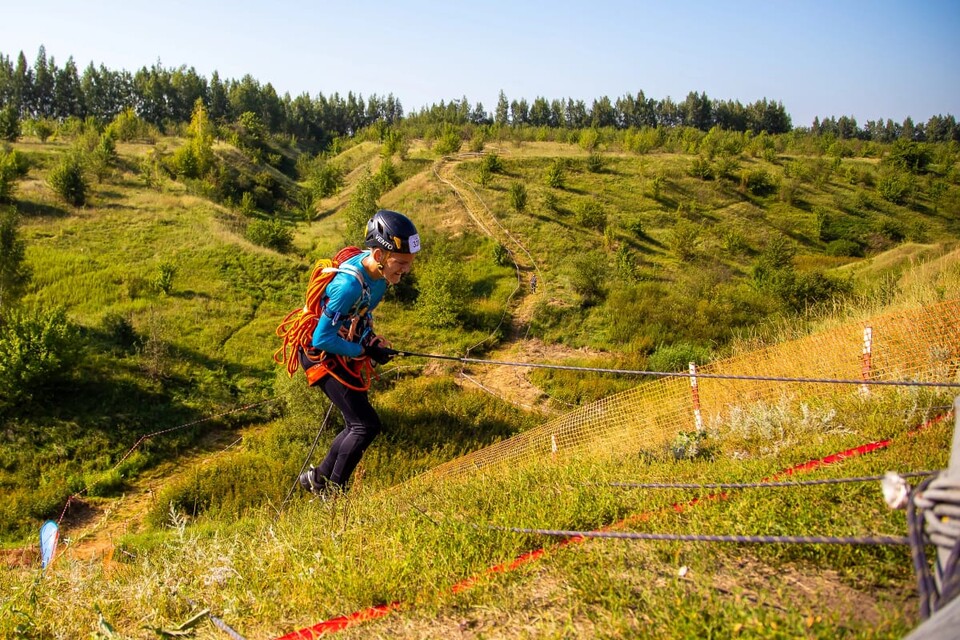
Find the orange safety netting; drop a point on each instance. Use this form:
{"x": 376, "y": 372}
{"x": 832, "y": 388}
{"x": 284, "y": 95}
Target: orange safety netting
{"x": 917, "y": 345}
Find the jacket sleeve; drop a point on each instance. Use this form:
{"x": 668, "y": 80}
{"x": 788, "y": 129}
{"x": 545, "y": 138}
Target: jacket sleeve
{"x": 342, "y": 293}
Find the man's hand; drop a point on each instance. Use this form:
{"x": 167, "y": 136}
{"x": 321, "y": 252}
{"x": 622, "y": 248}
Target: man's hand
{"x": 378, "y": 350}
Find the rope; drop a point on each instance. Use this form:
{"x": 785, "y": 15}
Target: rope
{"x": 933, "y": 516}
{"x": 866, "y": 540}
{"x": 158, "y": 433}
{"x": 757, "y": 485}
{"x": 679, "y": 374}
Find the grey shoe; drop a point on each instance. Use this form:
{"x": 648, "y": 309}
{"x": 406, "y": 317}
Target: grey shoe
{"x": 308, "y": 480}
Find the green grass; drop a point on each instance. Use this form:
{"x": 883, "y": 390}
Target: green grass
{"x": 266, "y": 575}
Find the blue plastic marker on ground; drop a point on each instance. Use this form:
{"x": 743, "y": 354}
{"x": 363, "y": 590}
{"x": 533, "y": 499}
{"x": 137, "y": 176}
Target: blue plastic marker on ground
{"x": 49, "y": 534}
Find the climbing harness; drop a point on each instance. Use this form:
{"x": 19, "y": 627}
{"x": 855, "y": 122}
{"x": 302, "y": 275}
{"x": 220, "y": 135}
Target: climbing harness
{"x": 297, "y": 327}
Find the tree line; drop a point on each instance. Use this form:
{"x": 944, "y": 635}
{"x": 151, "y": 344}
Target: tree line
{"x": 165, "y": 97}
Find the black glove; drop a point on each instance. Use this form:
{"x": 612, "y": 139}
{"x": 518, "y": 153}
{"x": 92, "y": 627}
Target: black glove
{"x": 378, "y": 353}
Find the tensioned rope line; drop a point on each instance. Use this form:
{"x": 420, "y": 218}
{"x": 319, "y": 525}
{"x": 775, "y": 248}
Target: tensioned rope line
{"x": 680, "y": 374}
{"x": 758, "y": 485}
{"x": 865, "y": 540}
{"x": 147, "y": 436}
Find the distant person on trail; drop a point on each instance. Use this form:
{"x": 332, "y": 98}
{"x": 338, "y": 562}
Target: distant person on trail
{"x": 533, "y": 283}
{"x": 344, "y": 342}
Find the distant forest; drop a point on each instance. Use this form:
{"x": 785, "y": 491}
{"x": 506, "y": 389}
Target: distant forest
{"x": 166, "y": 98}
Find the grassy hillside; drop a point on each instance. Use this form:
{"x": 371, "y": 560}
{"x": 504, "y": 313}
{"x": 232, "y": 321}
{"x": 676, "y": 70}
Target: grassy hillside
{"x": 171, "y": 287}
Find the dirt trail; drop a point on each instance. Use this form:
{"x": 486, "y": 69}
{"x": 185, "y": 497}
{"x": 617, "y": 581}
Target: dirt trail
{"x": 91, "y": 527}
{"x": 510, "y": 383}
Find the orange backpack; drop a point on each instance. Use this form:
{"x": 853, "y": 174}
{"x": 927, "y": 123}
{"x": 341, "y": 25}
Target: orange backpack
{"x": 298, "y": 326}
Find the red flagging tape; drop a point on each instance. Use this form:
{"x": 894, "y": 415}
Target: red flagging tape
{"x": 338, "y": 624}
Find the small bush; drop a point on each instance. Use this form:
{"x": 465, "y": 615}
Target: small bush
{"x": 43, "y": 129}
{"x": 443, "y": 291}
{"x": 758, "y": 182}
{"x": 591, "y": 215}
{"x": 700, "y": 168}
{"x": 501, "y": 255}
{"x": 692, "y": 445}
{"x": 588, "y": 276}
{"x": 325, "y": 179}
{"x": 518, "y": 196}
{"x": 37, "y": 350}
{"x": 449, "y": 141}
{"x": 273, "y": 234}
{"x": 10, "y": 169}
{"x": 184, "y": 162}
{"x": 595, "y": 163}
{"x": 68, "y": 181}
{"x": 492, "y": 162}
{"x": 9, "y": 123}
{"x": 163, "y": 279}
{"x": 844, "y": 248}
{"x": 551, "y": 202}
{"x": 555, "y": 174}
{"x": 894, "y": 188}
{"x": 677, "y": 357}
{"x": 120, "y": 332}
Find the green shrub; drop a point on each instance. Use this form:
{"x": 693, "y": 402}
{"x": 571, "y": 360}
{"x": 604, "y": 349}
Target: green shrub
{"x": 128, "y": 126}
{"x": 591, "y": 215}
{"x": 386, "y": 177}
{"x": 501, "y": 255}
{"x": 9, "y": 123}
{"x": 759, "y": 182}
{"x": 184, "y": 162}
{"x": 700, "y": 168}
{"x": 910, "y": 156}
{"x": 273, "y": 234}
{"x": 692, "y": 445}
{"x": 477, "y": 142}
{"x": 894, "y": 188}
{"x": 555, "y": 174}
{"x": 588, "y": 277}
{"x": 685, "y": 240}
{"x": 677, "y": 357}
{"x": 636, "y": 227}
{"x": 484, "y": 175}
{"x": 163, "y": 279}
{"x": 13, "y": 165}
{"x": 595, "y": 163}
{"x": 43, "y": 128}
{"x": 443, "y": 289}
{"x": 363, "y": 204}
{"x": 449, "y": 140}
{"x": 68, "y": 181}
{"x": 492, "y": 162}
{"x": 325, "y": 179}
{"x": 103, "y": 157}
{"x": 589, "y": 139}
{"x": 120, "y": 332}
{"x": 38, "y": 349}
{"x": 518, "y": 196}
{"x": 844, "y": 248}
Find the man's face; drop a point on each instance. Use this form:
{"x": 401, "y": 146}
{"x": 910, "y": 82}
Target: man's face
{"x": 396, "y": 265}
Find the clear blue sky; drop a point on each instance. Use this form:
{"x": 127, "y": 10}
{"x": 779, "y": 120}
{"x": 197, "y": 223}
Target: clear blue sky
{"x": 868, "y": 59}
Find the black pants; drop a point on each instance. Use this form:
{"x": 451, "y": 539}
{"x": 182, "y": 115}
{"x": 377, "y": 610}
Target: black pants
{"x": 362, "y": 426}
